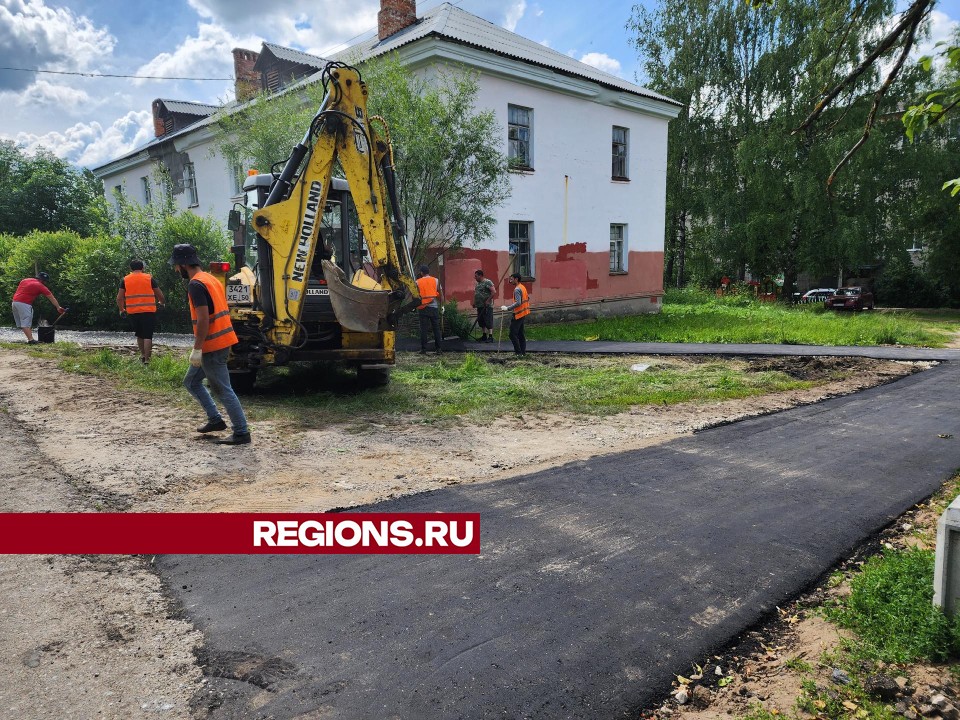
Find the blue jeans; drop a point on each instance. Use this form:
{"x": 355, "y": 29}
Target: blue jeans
{"x": 213, "y": 367}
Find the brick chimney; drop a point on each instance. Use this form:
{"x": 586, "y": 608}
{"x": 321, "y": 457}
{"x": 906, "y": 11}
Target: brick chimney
{"x": 246, "y": 82}
{"x": 159, "y": 130}
{"x": 394, "y": 16}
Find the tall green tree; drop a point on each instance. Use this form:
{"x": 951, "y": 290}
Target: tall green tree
{"x": 744, "y": 184}
{"x": 46, "y": 193}
{"x": 450, "y": 169}
{"x": 679, "y": 50}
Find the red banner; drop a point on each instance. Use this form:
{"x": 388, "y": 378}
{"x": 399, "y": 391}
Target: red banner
{"x": 239, "y": 533}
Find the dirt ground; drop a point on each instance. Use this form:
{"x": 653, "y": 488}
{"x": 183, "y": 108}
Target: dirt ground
{"x": 84, "y": 637}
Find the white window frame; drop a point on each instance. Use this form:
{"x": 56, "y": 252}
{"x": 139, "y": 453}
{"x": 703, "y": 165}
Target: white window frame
{"x": 620, "y": 158}
{"x": 190, "y": 184}
{"x": 618, "y": 248}
{"x": 145, "y": 189}
{"x": 238, "y": 176}
{"x": 520, "y": 134}
{"x": 524, "y": 260}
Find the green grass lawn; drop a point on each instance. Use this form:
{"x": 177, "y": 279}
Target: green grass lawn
{"x": 427, "y": 389}
{"x": 695, "y": 316}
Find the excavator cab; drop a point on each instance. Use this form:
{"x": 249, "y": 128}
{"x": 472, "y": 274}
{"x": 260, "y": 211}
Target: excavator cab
{"x": 340, "y": 242}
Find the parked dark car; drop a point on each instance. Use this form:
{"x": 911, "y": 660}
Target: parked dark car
{"x": 850, "y": 298}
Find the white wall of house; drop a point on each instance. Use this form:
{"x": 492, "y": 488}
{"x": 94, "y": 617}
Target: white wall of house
{"x": 215, "y": 183}
{"x": 216, "y": 186}
{"x": 569, "y": 197}
{"x": 572, "y": 170}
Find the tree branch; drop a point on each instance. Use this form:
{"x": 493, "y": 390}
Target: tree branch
{"x": 908, "y": 23}
{"x": 877, "y": 99}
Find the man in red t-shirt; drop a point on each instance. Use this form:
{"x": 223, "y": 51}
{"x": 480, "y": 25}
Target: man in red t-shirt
{"x": 27, "y": 292}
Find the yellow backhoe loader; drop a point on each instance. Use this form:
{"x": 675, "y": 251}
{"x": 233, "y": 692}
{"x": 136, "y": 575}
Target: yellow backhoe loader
{"x": 322, "y": 269}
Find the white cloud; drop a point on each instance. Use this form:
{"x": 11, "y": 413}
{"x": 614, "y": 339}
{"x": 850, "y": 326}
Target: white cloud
{"x": 314, "y": 25}
{"x": 205, "y": 55}
{"x": 36, "y": 36}
{"x": 514, "y": 14}
{"x": 90, "y": 144}
{"x": 62, "y": 98}
{"x": 602, "y": 61}
{"x": 939, "y": 27}
{"x": 942, "y": 28}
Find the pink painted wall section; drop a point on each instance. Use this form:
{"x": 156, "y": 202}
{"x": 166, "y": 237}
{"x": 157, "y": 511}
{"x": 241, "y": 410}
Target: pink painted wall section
{"x": 569, "y": 275}
{"x": 457, "y": 278}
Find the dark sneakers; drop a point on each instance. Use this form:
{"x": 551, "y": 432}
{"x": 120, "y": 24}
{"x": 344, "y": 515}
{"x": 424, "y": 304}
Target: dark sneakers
{"x": 212, "y": 426}
{"x": 235, "y": 439}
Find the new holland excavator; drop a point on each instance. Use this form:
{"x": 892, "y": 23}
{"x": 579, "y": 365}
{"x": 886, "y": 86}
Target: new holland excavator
{"x": 322, "y": 269}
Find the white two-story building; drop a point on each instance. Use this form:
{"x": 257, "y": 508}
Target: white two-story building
{"x": 584, "y": 221}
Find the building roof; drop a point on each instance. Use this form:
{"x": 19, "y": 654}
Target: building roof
{"x": 452, "y": 23}
{"x": 444, "y": 21}
{"x": 295, "y": 56}
{"x": 189, "y": 108}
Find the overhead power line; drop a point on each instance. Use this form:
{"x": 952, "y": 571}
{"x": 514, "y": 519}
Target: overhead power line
{"x": 109, "y": 75}
{"x": 193, "y": 79}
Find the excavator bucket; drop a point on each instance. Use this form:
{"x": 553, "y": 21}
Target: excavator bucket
{"x": 356, "y": 309}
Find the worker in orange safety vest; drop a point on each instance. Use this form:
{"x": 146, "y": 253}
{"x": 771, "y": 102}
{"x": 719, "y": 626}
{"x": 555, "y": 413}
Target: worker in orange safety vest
{"x": 138, "y": 299}
{"x": 520, "y": 308}
{"x": 431, "y": 308}
{"x": 213, "y": 336}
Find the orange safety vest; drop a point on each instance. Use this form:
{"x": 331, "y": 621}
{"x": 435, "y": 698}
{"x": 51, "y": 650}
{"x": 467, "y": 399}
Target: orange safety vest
{"x": 429, "y": 288}
{"x": 523, "y": 309}
{"x": 138, "y": 293}
{"x": 220, "y": 334}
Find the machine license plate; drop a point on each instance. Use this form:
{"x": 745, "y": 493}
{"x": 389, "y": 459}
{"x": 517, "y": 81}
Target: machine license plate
{"x": 238, "y": 294}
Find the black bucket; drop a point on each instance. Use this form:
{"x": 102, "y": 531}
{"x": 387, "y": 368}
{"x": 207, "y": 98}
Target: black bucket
{"x": 46, "y": 334}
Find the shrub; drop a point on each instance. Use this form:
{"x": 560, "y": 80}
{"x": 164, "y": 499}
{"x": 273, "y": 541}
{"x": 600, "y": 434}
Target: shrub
{"x": 206, "y": 235}
{"x": 91, "y": 276}
{"x": 901, "y": 284}
{"x": 37, "y": 251}
{"x": 85, "y": 272}
{"x": 891, "y": 609}
{"x": 455, "y": 321}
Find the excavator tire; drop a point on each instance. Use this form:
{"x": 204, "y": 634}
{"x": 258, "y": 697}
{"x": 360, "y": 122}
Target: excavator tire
{"x": 243, "y": 382}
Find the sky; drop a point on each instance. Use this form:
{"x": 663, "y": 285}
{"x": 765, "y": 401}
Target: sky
{"x": 92, "y": 120}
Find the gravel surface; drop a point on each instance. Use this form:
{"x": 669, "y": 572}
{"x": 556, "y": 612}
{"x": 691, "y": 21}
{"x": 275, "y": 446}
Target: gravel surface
{"x": 96, "y": 337}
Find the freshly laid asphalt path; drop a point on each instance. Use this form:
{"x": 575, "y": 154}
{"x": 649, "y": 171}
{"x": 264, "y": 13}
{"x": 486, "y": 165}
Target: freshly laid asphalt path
{"x": 97, "y": 337}
{"x": 596, "y": 582}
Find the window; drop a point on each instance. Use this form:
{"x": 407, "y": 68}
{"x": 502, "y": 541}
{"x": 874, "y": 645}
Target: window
{"x": 190, "y": 185}
{"x": 520, "y": 247}
{"x": 145, "y": 187}
{"x": 520, "y": 136}
{"x": 620, "y": 169}
{"x": 238, "y": 176}
{"x": 618, "y": 235}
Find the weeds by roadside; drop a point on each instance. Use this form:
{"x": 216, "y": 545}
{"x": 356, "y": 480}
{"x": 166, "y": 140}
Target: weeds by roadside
{"x": 699, "y": 317}
{"x": 890, "y": 608}
{"x": 457, "y": 386}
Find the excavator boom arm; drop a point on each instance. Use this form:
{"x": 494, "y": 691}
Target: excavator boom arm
{"x": 290, "y": 220}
